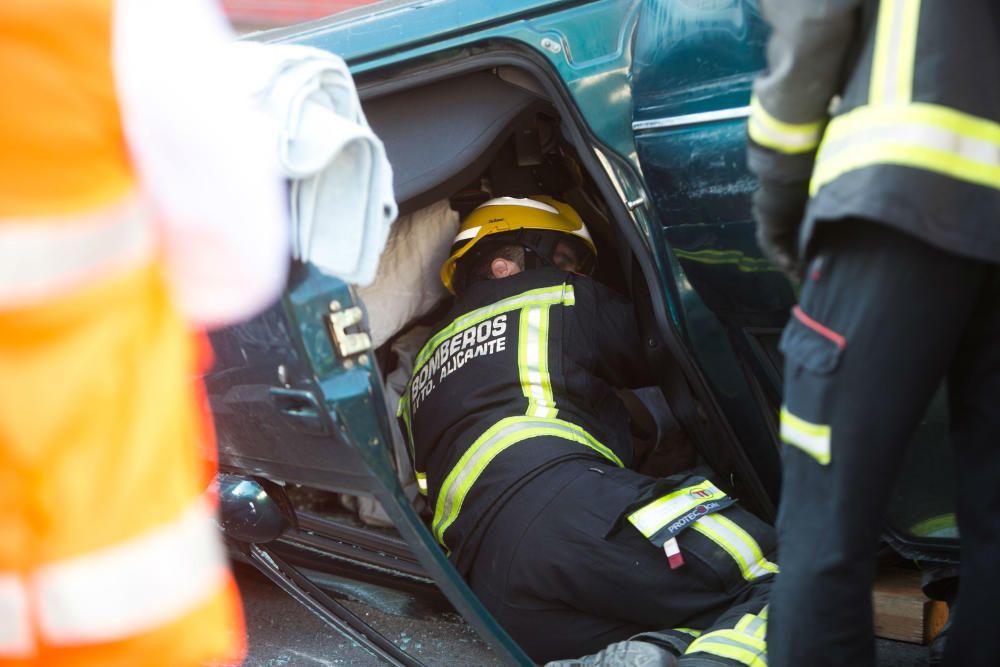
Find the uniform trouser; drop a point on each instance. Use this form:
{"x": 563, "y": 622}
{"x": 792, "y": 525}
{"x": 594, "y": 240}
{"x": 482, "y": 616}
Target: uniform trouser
{"x": 890, "y": 317}
{"x": 555, "y": 579}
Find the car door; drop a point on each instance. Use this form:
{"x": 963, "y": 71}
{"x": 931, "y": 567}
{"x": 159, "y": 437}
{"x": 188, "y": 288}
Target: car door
{"x": 292, "y": 390}
{"x": 693, "y": 65}
{"x": 296, "y": 398}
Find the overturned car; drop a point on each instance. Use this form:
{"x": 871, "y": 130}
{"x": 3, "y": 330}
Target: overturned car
{"x": 633, "y": 113}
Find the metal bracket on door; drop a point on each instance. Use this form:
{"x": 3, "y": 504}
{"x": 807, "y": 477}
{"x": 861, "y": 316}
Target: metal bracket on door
{"x": 347, "y": 344}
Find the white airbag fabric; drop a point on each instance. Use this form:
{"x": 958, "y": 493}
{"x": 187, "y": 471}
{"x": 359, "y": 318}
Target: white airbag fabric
{"x": 342, "y": 198}
{"x": 408, "y": 283}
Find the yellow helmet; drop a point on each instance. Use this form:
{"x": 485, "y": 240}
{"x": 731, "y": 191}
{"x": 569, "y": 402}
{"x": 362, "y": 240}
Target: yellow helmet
{"x": 514, "y": 218}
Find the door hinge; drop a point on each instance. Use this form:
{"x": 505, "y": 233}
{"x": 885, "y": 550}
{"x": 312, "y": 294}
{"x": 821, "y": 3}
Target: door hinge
{"x": 347, "y": 344}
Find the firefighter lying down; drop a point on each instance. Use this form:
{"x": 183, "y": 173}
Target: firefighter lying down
{"x": 523, "y": 450}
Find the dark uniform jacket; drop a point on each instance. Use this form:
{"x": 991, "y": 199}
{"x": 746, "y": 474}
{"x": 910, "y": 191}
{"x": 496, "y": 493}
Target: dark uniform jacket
{"x": 517, "y": 378}
{"x": 892, "y": 109}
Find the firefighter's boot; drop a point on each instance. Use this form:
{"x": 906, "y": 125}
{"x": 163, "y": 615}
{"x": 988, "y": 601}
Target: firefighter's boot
{"x": 623, "y": 654}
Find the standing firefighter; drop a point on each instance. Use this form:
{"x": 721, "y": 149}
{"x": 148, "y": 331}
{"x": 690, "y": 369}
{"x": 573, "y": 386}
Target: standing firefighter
{"x": 523, "y": 448}
{"x": 886, "y": 117}
{"x": 133, "y": 205}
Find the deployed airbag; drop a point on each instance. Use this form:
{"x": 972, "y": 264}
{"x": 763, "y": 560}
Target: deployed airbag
{"x": 408, "y": 284}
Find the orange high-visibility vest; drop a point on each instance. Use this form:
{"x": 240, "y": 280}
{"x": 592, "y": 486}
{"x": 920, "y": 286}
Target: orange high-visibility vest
{"x": 108, "y": 550}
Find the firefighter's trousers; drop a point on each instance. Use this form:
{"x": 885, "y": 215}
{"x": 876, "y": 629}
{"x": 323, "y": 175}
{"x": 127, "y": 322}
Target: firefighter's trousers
{"x": 883, "y": 319}
{"x": 566, "y": 575}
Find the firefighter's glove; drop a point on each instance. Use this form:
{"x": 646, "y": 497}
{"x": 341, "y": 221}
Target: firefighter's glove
{"x": 778, "y": 209}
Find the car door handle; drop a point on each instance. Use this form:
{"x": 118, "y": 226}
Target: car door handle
{"x": 301, "y": 407}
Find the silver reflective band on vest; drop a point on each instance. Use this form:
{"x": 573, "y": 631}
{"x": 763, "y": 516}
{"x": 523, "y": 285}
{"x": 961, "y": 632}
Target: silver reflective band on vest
{"x": 738, "y": 543}
{"x": 918, "y": 135}
{"x": 117, "y": 592}
{"x": 894, "y": 130}
{"x": 654, "y": 516}
{"x": 533, "y": 361}
{"x": 16, "y": 640}
{"x": 753, "y": 625}
{"x": 895, "y": 51}
{"x": 734, "y": 645}
{"x": 45, "y": 256}
{"x": 496, "y": 439}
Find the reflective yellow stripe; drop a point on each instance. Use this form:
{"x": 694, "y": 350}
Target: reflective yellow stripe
{"x": 755, "y": 626}
{"x": 732, "y": 644}
{"x": 893, "y": 130}
{"x": 895, "y": 52}
{"x": 654, "y": 516}
{"x": 923, "y": 136}
{"x": 44, "y": 257}
{"x": 688, "y": 631}
{"x": 422, "y": 482}
{"x": 813, "y": 439}
{"x": 16, "y": 640}
{"x": 125, "y": 589}
{"x": 778, "y": 135}
{"x": 738, "y": 543}
{"x": 943, "y": 525}
{"x": 546, "y": 295}
{"x": 502, "y": 435}
{"x": 533, "y": 361}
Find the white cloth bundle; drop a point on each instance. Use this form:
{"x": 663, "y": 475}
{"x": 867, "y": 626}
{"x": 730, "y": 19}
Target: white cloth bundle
{"x": 342, "y": 198}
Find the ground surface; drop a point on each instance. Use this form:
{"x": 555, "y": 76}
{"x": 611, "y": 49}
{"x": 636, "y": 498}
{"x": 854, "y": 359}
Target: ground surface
{"x": 282, "y": 632}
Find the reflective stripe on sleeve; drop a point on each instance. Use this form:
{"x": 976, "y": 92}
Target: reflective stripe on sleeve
{"x": 813, "y": 439}
{"x": 783, "y": 137}
{"x": 533, "y": 362}
{"x": 738, "y": 543}
{"x": 16, "y": 640}
{"x": 499, "y": 437}
{"x": 42, "y": 257}
{"x": 135, "y": 586}
{"x": 422, "y": 483}
{"x": 733, "y": 645}
{"x": 922, "y": 136}
{"x": 895, "y": 52}
{"x": 652, "y": 517}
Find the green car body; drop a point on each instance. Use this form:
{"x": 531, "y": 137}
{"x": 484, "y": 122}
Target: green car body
{"x": 655, "y": 95}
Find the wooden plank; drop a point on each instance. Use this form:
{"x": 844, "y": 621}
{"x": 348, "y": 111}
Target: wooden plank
{"x": 902, "y": 611}
{"x": 934, "y": 620}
